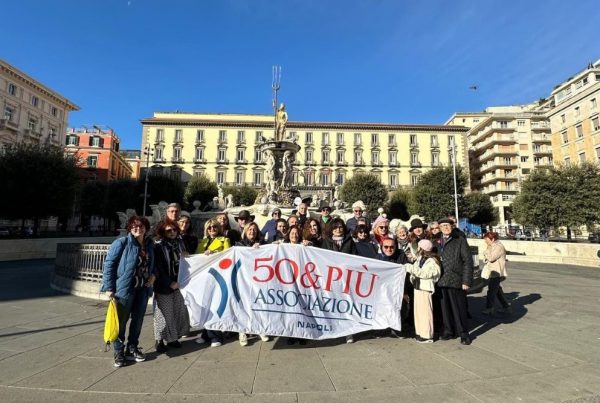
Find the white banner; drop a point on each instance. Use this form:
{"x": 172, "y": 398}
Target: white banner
{"x": 291, "y": 290}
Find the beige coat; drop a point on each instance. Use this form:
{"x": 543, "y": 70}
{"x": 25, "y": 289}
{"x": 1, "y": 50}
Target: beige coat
{"x": 428, "y": 275}
{"x": 495, "y": 257}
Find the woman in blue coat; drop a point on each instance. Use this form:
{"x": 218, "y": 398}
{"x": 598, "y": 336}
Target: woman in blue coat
{"x": 128, "y": 277}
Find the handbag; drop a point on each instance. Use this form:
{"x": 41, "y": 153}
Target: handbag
{"x": 111, "y": 324}
{"x": 485, "y": 272}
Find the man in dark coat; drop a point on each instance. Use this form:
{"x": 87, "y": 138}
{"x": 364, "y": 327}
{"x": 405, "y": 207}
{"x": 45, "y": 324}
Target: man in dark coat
{"x": 457, "y": 276}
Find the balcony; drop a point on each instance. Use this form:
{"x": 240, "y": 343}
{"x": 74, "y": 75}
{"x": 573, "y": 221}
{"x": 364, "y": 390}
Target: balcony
{"x": 541, "y": 138}
{"x": 500, "y": 138}
{"x": 360, "y": 163}
{"x": 241, "y": 162}
{"x": 177, "y": 160}
{"x": 225, "y": 161}
{"x": 222, "y": 141}
{"x": 542, "y": 151}
{"x": 159, "y": 140}
{"x": 393, "y": 164}
{"x": 540, "y": 126}
{"x": 341, "y": 163}
{"x": 415, "y": 165}
{"x": 199, "y": 161}
{"x": 178, "y": 140}
{"x": 159, "y": 160}
{"x": 489, "y": 130}
{"x": 200, "y": 140}
{"x": 376, "y": 163}
{"x": 414, "y": 145}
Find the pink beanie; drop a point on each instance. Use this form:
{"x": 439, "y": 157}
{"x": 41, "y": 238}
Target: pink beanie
{"x": 380, "y": 219}
{"x": 426, "y": 245}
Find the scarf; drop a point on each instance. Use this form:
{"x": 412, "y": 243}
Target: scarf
{"x": 337, "y": 241}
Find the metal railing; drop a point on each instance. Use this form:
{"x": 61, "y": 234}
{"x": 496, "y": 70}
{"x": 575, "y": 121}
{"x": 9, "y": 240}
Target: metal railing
{"x": 80, "y": 261}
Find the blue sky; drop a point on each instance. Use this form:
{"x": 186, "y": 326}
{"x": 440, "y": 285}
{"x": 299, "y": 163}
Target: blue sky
{"x": 345, "y": 60}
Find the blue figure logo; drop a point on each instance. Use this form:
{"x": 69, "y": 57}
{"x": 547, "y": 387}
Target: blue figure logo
{"x": 225, "y": 264}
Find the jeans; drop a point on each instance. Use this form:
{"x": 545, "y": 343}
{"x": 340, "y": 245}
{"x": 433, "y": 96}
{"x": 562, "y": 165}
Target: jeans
{"x": 134, "y": 306}
{"x": 495, "y": 290}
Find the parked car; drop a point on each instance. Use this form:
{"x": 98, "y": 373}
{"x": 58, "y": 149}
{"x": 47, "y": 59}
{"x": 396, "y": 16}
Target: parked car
{"x": 524, "y": 236}
{"x": 594, "y": 237}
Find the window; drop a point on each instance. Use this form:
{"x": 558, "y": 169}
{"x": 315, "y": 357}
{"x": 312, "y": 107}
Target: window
{"x": 435, "y": 159}
{"x": 595, "y": 123}
{"x": 507, "y": 161}
{"x": 475, "y": 121}
{"x": 374, "y": 157}
{"x": 239, "y": 178}
{"x": 524, "y": 159}
{"x": 178, "y": 135}
{"x": 309, "y": 156}
{"x": 325, "y": 139}
{"x": 520, "y": 123}
{"x": 325, "y": 156}
{"x": 503, "y": 124}
{"x": 324, "y": 179}
{"x": 563, "y": 118}
{"x": 176, "y": 154}
{"x": 374, "y": 139}
{"x": 51, "y": 132}
{"x": 357, "y": 139}
{"x": 160, "y": 135}
{"x": 577, "y": 112}
{"x": 339, "y": 178}
{"x": 393, "y": 180}
{"x": 450, "y": 140}
{"x": 221, "y": 155}
{"x": 220, "y": 177}
{"x": 32, "y": 124}
{"x": 53, "y": 111}
{"x": 598, "y": 155}
{"x": 413, "y": 140}
{"x": 565, "y": 137}
{"x": 222, "y": 136}
{"x": 340, "y": 139}
{"x": 537, "y": 160}
{"x": 72, "y": 140}
{"x": 537, "y": 148}
{"x": 579, "y": 131}
{"x": 9, "y": 113}
{"x": 257, "y": 178}
{"x": 241, "y": 137}
{"x": 414, "y": 179}
{"x": 414, "y": 158}
{"x": 158, "y": 154}
{"x": 309, "y": 138}
{"x": 241, "y": 155}
{"x": 393, "y": 157}
{"x": 434, "y": 140}
{"x": 593, "y": 104}
{"x": 340, "y": 157}
{"x": 95, "y": 141}
{"x": 358, "y": 157}
{"x": 92, "y": 161}
{"x": 35, "y": 101}
{"x": 199, "y": 153}
{"x": 199, "y": 136}
{"x": 257, "y": 156}
{"x": 567, "y": 160}
{"x": 258, "y": 136}
{"x": 12, "y": 89}
{"x": 392, "y": 140}
{"x": 582, "y": 156}
{"x": 309, "y": 178}
{"x": 508, "y": 173}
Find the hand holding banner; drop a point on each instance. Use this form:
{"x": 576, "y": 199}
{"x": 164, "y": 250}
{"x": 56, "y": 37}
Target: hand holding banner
{"x": 291, "y": 290}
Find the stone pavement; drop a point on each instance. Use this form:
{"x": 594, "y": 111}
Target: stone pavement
{"x": 51, "y": 349}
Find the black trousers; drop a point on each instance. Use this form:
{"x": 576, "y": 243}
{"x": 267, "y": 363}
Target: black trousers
{"x": 454, "y": 312}
{"x": 495, "y": 291}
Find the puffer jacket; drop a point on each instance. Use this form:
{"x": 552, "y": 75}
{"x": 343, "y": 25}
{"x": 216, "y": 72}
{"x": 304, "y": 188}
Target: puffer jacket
{"x": 424, "y": 277}
{"x": 348, "y": 245}
{"x": 121, "y": 263}
{"x": 457, "y": 262}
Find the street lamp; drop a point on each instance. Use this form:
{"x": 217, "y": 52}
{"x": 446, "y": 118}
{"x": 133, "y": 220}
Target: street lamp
{"x": 147, "y": 153}
{"x": 453, "y": 150}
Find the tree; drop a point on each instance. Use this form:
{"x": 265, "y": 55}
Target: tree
{"x": 200, "y": 188}
{"x": 565, "y": 196}
{"x": 397, "y": 207}
{"x": 160, "y": 188}
{"x": 92, "y": 199}
{"x": 479, "y": 210}
{"x": 244, "y": 195}
{"x": 433, "y": 196}
{"x": 366, "y": 187}
{"x": 37, "y": 181}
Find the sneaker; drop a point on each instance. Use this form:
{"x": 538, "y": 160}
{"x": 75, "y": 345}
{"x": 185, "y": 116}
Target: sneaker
{"x": 216, "y": 343}
{"x": 133, "y": 353}
{"x": 120, "y": 359}
{"x": 160, "y": 347}
{"x": 175, "y": 344}
{"x": 465, "y": 340}
{"x": 200, "y": 340}
{"x": 243, "y": 339}
{"x": 264, "y": 338}
{"x": 350, "y": 339}
{"x": 422, "y": 340}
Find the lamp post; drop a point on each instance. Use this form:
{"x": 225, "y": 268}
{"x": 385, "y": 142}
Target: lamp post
{"x": 453, "y": 149}
{"x": 147, "y": 153}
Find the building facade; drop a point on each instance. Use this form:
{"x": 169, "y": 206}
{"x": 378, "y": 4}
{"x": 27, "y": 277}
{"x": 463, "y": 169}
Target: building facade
{"x": 574, "y": 117}
{"x": 134, "y": 159}
{"x": 505, "y": 144}
{"x": 31, "y": 112}
{"x": 98, "y": 152}
{"x": 223, "y": 147}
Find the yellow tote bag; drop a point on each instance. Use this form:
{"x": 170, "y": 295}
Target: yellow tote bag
{"x": 111, "y": 325}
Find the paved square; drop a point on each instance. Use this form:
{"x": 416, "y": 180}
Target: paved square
{"x": 51, "y": 349}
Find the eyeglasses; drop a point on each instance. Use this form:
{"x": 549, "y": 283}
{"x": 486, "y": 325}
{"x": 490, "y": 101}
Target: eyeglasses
{"x": 383, "y": 227}
{"x": 358, "y": 211}
{"x": 138, "y": 226}
{"x": 338, "y": 227}
{"x": 388, "y": 246}
{"x": 212, "y": 227}
{"x": 169, "y": 229}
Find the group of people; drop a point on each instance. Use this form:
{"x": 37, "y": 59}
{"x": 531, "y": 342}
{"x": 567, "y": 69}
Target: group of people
{"x": 436, "y": 256}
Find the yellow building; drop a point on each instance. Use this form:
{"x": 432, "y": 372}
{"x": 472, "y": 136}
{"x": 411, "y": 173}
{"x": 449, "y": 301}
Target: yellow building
{"x": 574, "y": 117}
{"x": 505, "y": 144}
{"x": 223, "y": 146}
{"x": 31, "y": 112}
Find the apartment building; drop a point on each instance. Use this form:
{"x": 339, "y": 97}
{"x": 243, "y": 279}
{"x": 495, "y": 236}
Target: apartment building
{"x": 223, "y": 146}
{"x": 31, "y": 112}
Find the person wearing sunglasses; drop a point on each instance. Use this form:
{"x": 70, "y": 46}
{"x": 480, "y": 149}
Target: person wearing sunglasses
{"x": 171, "y": 319}
{"x": 381, "y": 228}
{"x": 269, "y": 230}
{"x": 190, "y": 240}
{"x": 128, "y": 277}
{"x": 365, "y": 246}
{"x": 391, "y": 253}
{"x": 357, "y": 210}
